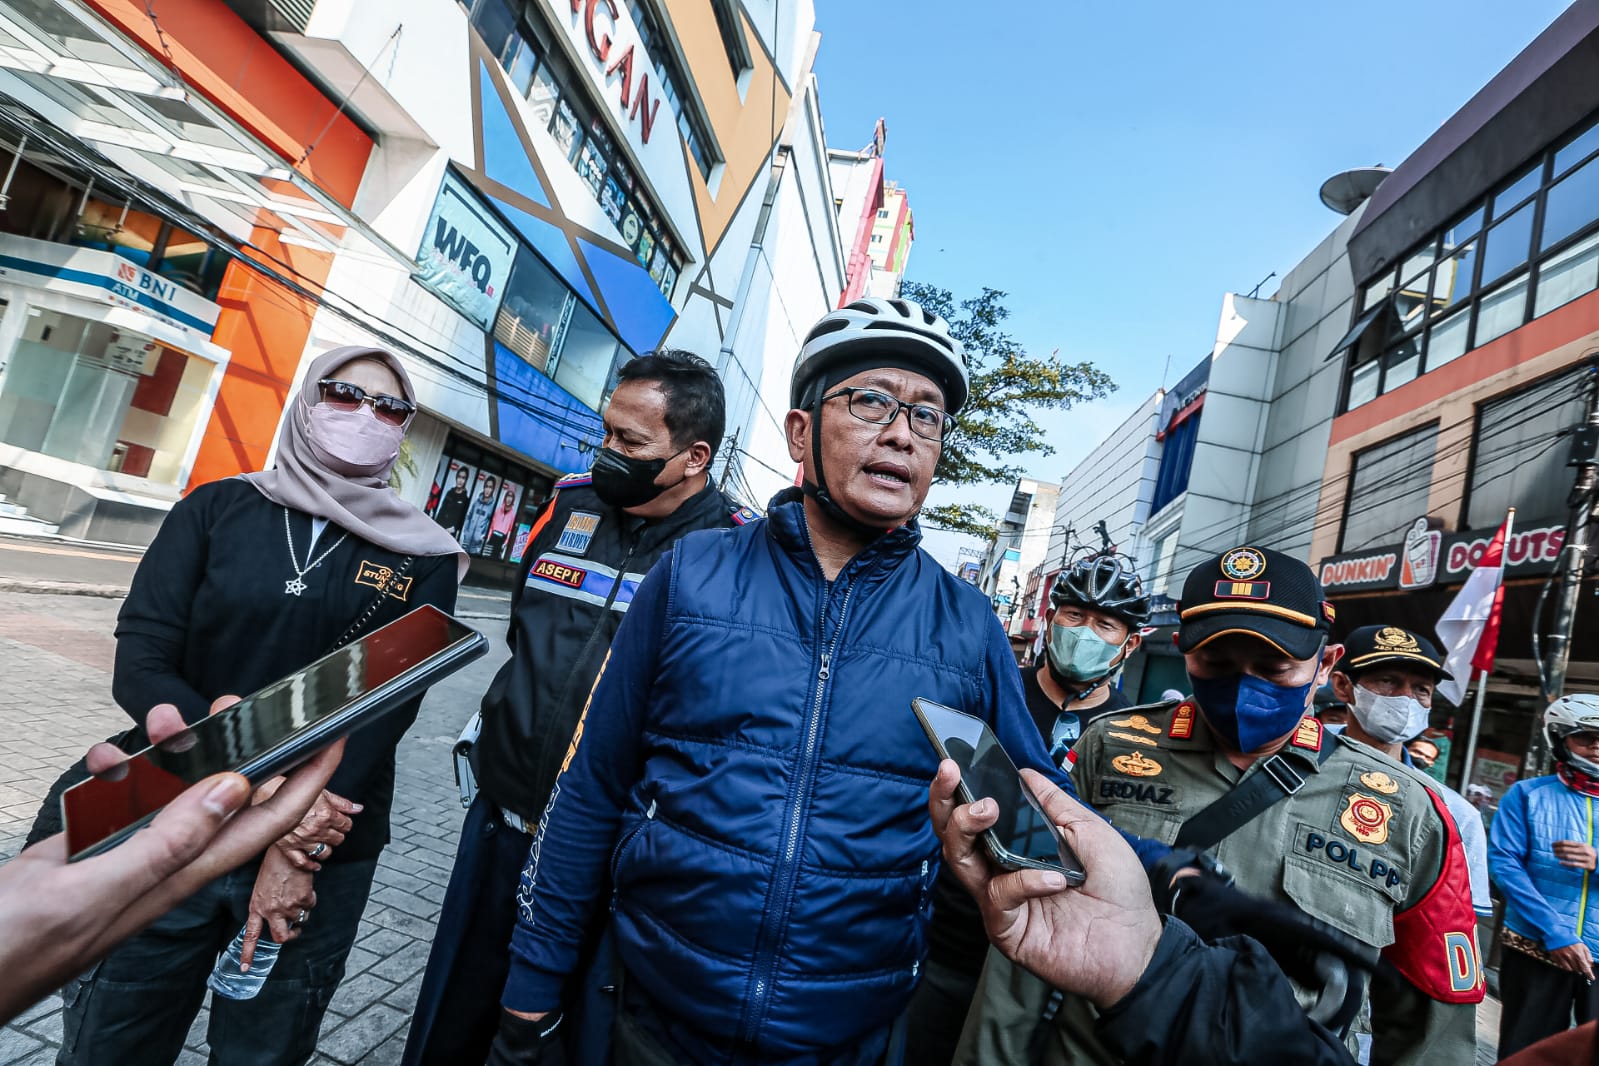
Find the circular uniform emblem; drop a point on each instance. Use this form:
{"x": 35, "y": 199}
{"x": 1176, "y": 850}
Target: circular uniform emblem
{"x": 1243, "y": 564}
{"x": 1366, "y": 818}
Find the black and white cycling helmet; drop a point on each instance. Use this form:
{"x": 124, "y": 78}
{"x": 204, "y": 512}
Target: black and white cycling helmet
{"x": 1104, "y": 582}
{"x": 872, "y": 333}
{"x": 1578, "y": 713}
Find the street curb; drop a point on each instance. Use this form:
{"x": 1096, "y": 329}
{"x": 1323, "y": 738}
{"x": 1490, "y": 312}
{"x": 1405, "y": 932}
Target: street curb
{"x": 63, "y": 588}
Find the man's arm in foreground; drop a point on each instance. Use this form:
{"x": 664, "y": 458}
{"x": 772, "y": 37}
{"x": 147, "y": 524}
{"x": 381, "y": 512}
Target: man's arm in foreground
{"x": 566, "y": 869}
{"x": 58, "y": 918}
{"x": 1167, "y": 997}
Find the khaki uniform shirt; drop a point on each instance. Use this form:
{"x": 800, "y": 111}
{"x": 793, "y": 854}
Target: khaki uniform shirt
{"x": 1358, "y": 842}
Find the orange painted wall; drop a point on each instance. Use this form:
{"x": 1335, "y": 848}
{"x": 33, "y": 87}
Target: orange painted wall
{"x": 264, "y": 325}
{"x": 220, "y": 56}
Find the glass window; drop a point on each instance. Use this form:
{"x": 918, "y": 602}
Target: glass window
{"x": 1401, "y": 364}
{"x": 1564, "y": 277}
{"x": 592, "y": 165}
{"x": 543, "y": 94}
{"x": 587, "y": 353}
{"x": 1388, "y": 489}
{"x": 1520, "y": 453}
{"x": 1518, "y": 189}
{"x": 1452, "y": 283}
{"x": 535, "y": 304}
{"x": 567, "y": 130}
{"x": 1580, "y": 148}
{"x": 1376, "y": 290}
{"x": 1505, "y": 246}
{"x": 1463, "y": 228}
{"x": 613, "y": 200}
{"x": 1363, "y": 383}
{"x": 668, "y": 280}
{"x": 88, "y": 393}
{"x": 1447, "y": 340}
{"x": 519, "y": 66}
{"x": 646, "y": 247}
{"x": 1502, "y": 311}
{"x": 495, "y": 22}
{"x": 1571, "y": 204}
{"x": 1412, "y": 300}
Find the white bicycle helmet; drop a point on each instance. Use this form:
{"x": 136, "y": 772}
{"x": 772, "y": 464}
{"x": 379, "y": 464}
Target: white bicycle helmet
{"x": 871, "y": 333}
{"x": 1577, "y": 713}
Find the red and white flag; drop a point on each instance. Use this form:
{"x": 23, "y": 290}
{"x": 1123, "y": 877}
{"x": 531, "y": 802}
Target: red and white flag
{"x": 1469, "y": 628}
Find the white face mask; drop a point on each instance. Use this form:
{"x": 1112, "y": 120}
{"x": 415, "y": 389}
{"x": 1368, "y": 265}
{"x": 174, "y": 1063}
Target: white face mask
{"x": 1388, "y": 719}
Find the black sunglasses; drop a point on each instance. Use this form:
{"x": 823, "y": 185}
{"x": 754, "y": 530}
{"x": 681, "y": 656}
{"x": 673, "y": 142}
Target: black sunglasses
{"x": 343, "y": 396}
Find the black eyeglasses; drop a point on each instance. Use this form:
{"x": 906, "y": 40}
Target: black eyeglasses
{"x": 879, "y": 408}
{"x": 343, "y": 396}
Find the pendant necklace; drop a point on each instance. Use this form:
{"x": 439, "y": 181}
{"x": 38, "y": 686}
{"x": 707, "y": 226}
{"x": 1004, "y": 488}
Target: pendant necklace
{"x": 295, "y": 585}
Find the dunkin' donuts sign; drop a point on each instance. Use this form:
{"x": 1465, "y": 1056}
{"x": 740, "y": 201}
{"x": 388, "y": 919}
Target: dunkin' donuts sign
{"x": 1429, "y": 557}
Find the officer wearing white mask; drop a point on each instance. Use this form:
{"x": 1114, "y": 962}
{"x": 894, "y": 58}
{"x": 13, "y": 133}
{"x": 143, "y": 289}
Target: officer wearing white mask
{"x": 1387, "y": 677}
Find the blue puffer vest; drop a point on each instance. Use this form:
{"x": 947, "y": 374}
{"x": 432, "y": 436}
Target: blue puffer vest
{"x": 778, "y": 847}
{"x": 1555, "y": 812}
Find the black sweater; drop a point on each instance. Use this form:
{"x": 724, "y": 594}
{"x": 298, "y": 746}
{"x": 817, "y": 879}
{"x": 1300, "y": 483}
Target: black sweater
{"x": 207, "y": 616}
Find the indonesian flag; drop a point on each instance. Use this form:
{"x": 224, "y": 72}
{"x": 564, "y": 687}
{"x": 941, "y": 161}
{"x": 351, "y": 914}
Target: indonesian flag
{"x": 1469, "y": 628}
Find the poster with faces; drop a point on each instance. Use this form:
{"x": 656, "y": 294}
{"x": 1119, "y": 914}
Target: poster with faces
{"x": 451, "y": 494}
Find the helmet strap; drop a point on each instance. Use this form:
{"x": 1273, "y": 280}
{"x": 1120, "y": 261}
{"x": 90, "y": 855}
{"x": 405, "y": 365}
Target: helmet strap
{"x": 1069, "y": 686}
{"x": 816, "y": 486}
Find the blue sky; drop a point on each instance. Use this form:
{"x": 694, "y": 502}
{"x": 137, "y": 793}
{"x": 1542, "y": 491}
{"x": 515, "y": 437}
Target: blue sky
{"x": 1116, "y": 168}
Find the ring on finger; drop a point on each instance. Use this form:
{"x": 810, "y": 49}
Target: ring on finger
{"x": 299, "y": 919}
{"x": 317, "y": 851}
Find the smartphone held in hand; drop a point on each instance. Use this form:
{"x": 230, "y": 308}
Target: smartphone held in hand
{"x": 274, "y": 730}
{"x": 1024, "y": 838}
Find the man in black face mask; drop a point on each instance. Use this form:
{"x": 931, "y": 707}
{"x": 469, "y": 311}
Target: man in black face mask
{"x": 591, "y": 545}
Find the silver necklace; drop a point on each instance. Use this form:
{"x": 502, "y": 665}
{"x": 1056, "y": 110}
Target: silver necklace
{"x": 295, "y": 585}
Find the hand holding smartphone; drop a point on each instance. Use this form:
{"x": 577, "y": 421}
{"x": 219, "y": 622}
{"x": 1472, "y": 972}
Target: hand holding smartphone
{"x": 275, "y": 729}
{"x": 1024, "y": 837}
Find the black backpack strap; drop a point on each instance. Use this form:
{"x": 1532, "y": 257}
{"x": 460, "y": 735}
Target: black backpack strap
{"x": 1280, "y": 776}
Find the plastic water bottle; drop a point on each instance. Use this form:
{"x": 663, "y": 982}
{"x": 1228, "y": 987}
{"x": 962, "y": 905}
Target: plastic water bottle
{"x": 230, "y": 980}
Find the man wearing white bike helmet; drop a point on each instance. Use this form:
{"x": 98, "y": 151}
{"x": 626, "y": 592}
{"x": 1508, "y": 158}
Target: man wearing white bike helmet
{"x": 747, "y": 788}
{"x": 1541, "y": 854}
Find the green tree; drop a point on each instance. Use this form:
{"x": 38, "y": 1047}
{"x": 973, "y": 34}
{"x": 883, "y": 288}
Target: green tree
{"x": 1009, "y": 387}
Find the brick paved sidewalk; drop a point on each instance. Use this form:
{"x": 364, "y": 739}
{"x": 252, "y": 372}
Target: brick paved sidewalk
{"x": 56, "y": 656}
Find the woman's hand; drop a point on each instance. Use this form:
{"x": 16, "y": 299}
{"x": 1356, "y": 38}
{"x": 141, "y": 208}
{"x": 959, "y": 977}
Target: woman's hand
{"x": 322, "y": 829}
{"x": 282, "y": 896}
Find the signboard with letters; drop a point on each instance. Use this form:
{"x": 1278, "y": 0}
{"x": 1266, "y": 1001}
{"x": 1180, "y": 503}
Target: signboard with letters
{"x": 466, "y": 253}
{"x": 1429, "y": 557}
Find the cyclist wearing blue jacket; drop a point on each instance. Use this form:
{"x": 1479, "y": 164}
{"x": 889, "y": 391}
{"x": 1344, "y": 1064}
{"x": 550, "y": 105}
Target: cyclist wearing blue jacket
{"x": 747, "y": 788}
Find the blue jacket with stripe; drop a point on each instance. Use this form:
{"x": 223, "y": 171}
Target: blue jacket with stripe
{"x": 582, "y": 564}
{"x": 1553, "y": 904}
{"x": 749, "y": 787}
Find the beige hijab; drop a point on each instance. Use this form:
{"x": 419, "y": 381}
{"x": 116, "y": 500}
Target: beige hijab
{"x": 363, "y": 505}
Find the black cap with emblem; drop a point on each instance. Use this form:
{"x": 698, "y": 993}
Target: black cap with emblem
{"x": 1257, "y": 592}
{"x": 1372, "y": 646}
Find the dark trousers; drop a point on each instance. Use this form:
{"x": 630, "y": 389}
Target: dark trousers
{"x": 135, "y": 1007}
{"x": 1539, "y": 1000}
{"x": 937, "y": 1013}
{"x": 458, "y": 1007}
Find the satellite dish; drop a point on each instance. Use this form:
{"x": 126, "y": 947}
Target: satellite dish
{"x": 1347, "y": 191}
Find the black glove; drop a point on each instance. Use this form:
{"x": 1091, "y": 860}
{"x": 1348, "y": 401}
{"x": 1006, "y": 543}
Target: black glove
{"x": 1311, "y": 952}
{"x": 523, "y": 1042}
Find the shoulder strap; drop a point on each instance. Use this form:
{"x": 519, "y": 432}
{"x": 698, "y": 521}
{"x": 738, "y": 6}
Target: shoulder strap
{"x": 1277, "y": 779}
{"x": 372, "y": 608}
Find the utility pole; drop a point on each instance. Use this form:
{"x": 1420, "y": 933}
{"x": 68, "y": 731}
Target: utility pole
{"x": 727, "y": 464}
{"x": 1573, "y": 564}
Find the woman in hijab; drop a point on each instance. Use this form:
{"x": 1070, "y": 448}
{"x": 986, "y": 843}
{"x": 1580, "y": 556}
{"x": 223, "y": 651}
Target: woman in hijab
{"x": 249, "y": 579}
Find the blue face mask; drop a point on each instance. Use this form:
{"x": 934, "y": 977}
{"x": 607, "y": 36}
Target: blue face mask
{"x": 1079, "y": 654}
{"x": 1247, "y": 712}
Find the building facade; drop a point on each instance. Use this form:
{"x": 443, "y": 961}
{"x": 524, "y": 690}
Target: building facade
{"x": 514, "y": 195}
{"x": 1009, "y": 570}
{"x": 1467, "y": 364}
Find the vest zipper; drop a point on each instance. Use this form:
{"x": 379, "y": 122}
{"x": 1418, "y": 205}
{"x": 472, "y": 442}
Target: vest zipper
{"x": 777, "y": 916}
{"x": 1582, "y": 902}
